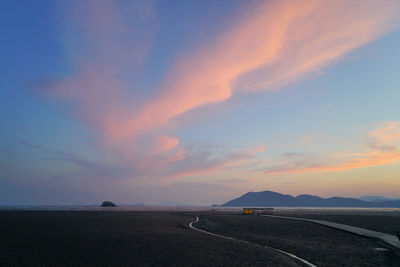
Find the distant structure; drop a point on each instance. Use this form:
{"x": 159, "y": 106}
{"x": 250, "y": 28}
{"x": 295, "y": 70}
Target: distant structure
{"x": 108, "y": 203}
{"x": 257, "y": 211}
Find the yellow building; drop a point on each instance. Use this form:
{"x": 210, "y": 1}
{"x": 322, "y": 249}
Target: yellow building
{"x": 247, "y": 211}
{"x": 255, "y": 211}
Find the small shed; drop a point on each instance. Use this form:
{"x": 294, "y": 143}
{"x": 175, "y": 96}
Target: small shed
{"x": 257, "y": 211}
{"x": 247, "y": 211}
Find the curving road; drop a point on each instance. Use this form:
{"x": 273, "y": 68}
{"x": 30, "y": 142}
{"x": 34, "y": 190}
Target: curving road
{"x": 231, "y": 238}
{"x": 390, "y": 239}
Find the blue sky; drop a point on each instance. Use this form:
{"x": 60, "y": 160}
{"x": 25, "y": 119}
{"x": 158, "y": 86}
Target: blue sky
{"x": 197, "y": 102}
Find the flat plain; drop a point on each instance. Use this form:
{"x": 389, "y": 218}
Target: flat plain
{"x": 320, "y": 245}
{"x": 120, "y": 238}
{"x": 381, "y": 221}
{"x": 163, "y": 238}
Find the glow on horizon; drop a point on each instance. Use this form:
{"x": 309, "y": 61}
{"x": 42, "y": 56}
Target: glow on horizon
{"x": 133, "y": 112}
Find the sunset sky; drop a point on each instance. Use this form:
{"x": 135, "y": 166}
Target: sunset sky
{"x": 197, "y": 102}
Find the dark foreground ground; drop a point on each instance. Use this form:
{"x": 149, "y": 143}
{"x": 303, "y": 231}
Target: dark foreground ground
{"x": 385, "y": 222}
{"x": 133, "y": 238}
{"x": 320, "y": 245}
{"x": 107, "y": 238}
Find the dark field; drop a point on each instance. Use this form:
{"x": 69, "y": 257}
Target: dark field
{"x": 106, "y": 238}
{"x": 389, "y": 223}
{"x": 318, "y": 244}
{"x": 154, "y": 238}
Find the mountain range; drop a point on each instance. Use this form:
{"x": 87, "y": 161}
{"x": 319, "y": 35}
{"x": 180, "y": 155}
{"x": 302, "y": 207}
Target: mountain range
{"x": 274, "y": 199}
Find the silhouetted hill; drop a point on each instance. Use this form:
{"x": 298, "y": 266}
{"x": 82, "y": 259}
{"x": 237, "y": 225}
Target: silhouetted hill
{"x": 266, "y": 198}
{"x": 108, "y": 204}
{"x": 274, "y": 199}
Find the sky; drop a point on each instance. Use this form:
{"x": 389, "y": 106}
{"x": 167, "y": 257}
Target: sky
{"x": 197, "y": 102}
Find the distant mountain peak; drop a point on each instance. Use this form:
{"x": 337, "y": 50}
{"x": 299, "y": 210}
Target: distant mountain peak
{"x": 275, "y": 199}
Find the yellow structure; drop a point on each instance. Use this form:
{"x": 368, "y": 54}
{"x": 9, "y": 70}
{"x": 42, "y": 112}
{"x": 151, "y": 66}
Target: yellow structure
{"x": 256, "y": 211}
{"x": 248, "y": 211}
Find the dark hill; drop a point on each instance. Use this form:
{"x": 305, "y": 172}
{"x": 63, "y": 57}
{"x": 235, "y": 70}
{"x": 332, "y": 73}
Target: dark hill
{"x": 108, "y": 204}
{"x": 266, "y": 198}
{"x": 274, "y": 199}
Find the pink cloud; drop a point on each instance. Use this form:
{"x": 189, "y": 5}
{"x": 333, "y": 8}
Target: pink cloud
{"x": 208, "y": 168}
{"x": 277, "y": 43}
{"x": 107, "y": 47}
{"x": 165, "y": 143}
{"x": 273, "y": 44}
{"x": 383, "y": 146}
{"x": 260, "y": 149}
{"x": 206, "y": 163}
{"x": 385, "y": 138}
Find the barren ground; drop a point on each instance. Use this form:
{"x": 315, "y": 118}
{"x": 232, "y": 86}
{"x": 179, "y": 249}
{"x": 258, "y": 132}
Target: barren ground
{"x": 162, "y": 238}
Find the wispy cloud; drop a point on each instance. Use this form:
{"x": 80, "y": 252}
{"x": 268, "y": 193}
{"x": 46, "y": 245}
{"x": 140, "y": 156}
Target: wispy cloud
{"x": 276, "y": 43}
{"x": 272, "y": 44}
{"x": 383, "y": 147}
{"x": 293, "y": 154}
{"x": 96, "y": 168}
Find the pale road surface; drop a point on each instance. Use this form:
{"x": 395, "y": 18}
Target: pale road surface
{"x": 390, "y": 239}
{"x": 230, "y": 238}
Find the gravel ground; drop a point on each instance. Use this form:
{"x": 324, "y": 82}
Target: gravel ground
{"x": 320, "y": 245}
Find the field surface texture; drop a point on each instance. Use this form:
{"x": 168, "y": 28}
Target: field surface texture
{"x": 161, "y": 238}
{"x": 382, "y": 222}
{"x": 106, "y": 238}
{"x": 320, "y": 245}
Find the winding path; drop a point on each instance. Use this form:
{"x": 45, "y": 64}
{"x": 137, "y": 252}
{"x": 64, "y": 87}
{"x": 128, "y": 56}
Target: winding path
{"x": 244, "y": 241}
{"x": 390, "y": 239}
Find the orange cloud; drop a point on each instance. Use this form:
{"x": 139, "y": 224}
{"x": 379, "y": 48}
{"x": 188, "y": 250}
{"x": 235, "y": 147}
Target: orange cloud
{"x": 384, "y": 148}
{"x": 385, "y": 138}
{"x": 368, "y": 160}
